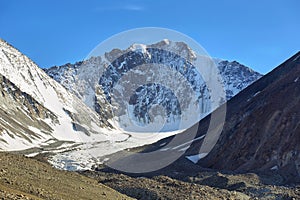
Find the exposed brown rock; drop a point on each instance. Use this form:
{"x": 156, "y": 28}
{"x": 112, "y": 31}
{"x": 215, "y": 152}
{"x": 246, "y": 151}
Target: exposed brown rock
{"x": 262, "y": 129}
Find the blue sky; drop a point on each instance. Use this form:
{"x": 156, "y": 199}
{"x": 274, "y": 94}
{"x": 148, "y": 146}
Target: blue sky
{"x": 260, "y": 34}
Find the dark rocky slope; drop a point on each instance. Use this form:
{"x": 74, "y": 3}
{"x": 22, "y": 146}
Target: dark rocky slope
{"x": 256, "y": 156}
{"x": 262, "y": 129}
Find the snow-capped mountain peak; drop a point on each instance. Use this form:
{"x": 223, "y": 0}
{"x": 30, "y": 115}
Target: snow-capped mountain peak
{"x": 83, "y": 78}
{"x": 38, "y": 111}
{"x": 138, "y": 48}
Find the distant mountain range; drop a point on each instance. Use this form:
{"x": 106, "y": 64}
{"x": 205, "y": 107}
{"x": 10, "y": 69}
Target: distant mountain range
{"x": 60, "y": 110}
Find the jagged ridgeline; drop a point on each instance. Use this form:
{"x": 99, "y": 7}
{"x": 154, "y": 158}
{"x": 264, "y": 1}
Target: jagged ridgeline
{"x": 98, "y": 79}
{"x": 150, "y": 75}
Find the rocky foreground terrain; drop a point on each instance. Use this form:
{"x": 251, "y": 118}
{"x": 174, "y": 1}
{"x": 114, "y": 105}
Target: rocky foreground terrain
{"x": 25, "y": 178}
{"x": 184, "y": 179}
{"x": 204, "y": 185}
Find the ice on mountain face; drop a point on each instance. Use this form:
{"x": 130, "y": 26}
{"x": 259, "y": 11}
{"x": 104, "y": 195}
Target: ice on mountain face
{"x": 235, "y": 78}
{"x": 166, "y": 76}
{"x": 73, "y": 121}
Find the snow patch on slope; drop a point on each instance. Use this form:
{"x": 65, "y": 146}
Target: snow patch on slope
{"x": 71, "y": 113}
{"x": 196, "y": 158}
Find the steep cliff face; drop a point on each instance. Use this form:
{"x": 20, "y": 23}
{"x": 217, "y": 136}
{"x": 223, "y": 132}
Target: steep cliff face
{"x": 260, "y": 133}
{"x": 95, "y": 79}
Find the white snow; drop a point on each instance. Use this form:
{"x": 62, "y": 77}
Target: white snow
{"x": 296, "y": 58}
{"x": 166, "y": 41}
{"x": 88, "y": 154}
{"x": 184, "y": 148}
{"x": 197, "y": 157}
{"x": 189, "y": 142}
{"x": 165, "y": 149}
{"x": 32, "y": 154}
{"x": 274, "y": 167}
{"x": 122, "y": 64}
{"x": 32, "y": 80}
{"x": 29, "y": 78}
{"x": 162, "y": 144}
{"x": 35, "y": 130}
{"x": 139, "y": 48}
{"x": 256, "y": 93}
{"x": 14, "y": 142}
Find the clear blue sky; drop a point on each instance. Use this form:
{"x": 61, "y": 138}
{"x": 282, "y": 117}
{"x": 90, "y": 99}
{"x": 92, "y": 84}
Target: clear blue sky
{"x": 258, "y": 33}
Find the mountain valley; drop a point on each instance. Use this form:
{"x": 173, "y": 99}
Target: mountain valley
{"x": 60, "y": 117}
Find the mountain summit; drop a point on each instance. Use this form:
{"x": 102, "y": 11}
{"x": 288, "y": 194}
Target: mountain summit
{"x": 38, "y": 111}
{"x": 84, "y": 79}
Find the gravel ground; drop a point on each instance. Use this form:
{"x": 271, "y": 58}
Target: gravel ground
{"x": 25, "y": 178}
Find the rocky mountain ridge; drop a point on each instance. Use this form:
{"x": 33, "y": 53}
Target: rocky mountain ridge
{"x": 94, "y": 79}
{"x": 41, "y": 106}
